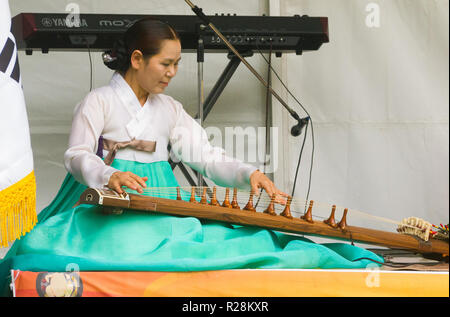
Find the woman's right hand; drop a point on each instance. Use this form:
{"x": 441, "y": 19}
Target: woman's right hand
{"x": 132, "y": 181}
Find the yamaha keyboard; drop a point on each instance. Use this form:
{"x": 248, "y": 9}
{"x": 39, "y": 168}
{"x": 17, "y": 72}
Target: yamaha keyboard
{"x": 97, "y": 32}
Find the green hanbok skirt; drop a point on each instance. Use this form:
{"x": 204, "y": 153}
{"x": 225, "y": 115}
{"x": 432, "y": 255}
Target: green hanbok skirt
{"x": 90, "y": 240}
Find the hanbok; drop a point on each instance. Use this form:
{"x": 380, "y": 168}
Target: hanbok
{"x": 86, "y": 238}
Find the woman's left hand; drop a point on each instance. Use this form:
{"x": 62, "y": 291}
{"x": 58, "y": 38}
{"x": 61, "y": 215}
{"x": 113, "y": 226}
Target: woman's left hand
{"x": 260, "y": 180}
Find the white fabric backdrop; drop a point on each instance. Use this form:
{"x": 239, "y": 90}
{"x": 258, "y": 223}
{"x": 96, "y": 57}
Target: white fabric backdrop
{"x": 378, "y": 97}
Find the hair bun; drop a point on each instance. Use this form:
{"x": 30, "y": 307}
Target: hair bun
{"x": 117, "y": 58}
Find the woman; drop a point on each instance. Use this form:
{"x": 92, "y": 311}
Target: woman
{"x": 137, "y": 123}
{"x": 145, "y": 64}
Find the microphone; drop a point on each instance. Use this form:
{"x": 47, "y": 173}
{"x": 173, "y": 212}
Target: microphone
{"x": 297, "y": 129}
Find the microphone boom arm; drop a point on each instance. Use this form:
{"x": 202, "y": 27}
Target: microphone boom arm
{"x": 198, "y": 11}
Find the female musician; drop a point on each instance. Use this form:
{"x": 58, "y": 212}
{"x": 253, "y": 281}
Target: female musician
{"x": 137, "y": 122}
{"x": 133, "y": 107}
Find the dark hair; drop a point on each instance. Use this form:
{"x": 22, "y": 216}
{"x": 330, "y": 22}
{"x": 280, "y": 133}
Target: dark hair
{"x": 144, "y": 35}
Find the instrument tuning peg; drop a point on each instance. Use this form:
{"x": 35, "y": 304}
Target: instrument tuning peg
{"x": 308, "y": 215}
{"x": 271, "y": 208}
{"x": 214, "y": 201}
{"x": 249, "y": 205}
{"x": 330, "y": 221}
{"x": 192, "y": 199}
{"x": 203, "y": 200}
{"x": 343, "y": 223}
{"x": 287, "y": 210}
{"x": 234, "y": 203}
{"x": 226, "y": 201}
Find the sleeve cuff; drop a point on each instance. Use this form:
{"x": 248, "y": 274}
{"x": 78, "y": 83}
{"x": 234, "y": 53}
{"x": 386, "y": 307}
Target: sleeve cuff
{"x": 107, "y": 175}
{"x": 243, "y": 175}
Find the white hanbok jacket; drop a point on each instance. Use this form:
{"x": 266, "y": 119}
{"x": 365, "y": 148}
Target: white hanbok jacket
{"x": 115, "y": 113}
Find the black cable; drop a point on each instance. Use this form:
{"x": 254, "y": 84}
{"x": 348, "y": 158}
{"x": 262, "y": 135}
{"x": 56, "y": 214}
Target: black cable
{"x": 398, "y": 264}
{"x": 299, "y": 160}
{"x": 269, "y": 82}
{"x": 269, "y": 79}
{"x": 312, "y": 131}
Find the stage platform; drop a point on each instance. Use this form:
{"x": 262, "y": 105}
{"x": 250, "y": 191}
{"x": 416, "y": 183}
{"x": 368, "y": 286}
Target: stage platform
{"x": 373, "y": 282}
{"x": 404, "y": 274}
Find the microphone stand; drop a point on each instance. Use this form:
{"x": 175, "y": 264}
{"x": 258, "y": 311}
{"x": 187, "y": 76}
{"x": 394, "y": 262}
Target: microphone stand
{"x": 199, "y": 12}
{"x": 200, "y": 60}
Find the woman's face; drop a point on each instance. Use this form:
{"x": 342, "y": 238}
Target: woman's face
{"x": 155, "y": 74}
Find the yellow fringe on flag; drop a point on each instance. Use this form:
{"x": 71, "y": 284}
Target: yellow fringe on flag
{"x": 17, "y": 209}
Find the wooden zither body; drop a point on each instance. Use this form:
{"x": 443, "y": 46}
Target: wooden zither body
{"x": 284, "y": 222}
